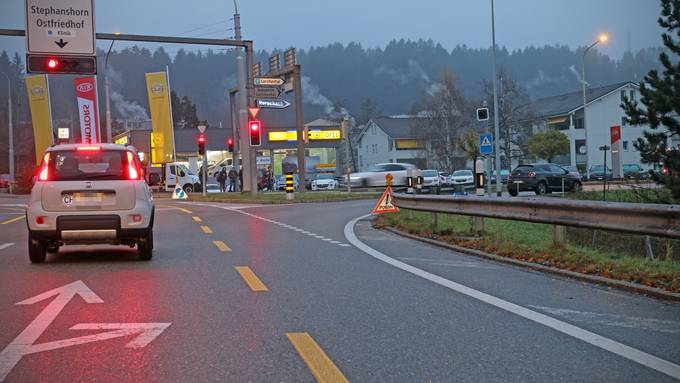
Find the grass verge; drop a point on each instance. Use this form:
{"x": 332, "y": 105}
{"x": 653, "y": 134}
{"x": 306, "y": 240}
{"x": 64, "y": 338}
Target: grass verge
{"x": 532, "y": 242}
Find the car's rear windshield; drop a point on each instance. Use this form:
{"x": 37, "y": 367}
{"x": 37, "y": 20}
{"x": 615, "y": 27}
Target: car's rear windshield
{"x": 524, "y": 168}
{"x": 430, "y": 173}
{"x": 77, "y": 165}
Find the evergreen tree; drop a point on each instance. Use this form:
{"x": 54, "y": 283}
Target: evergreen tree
{"x": 659, "y": 95}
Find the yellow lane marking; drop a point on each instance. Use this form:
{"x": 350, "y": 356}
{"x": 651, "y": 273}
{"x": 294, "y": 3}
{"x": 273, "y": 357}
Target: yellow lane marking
{"x": 318, "y": 362}
{"x": 12, "y": 220}
{"x": 177, "y": 208}
{"x": 197, "y": 219}
{"x": 251, "y": 279}
{"x": 222, "y": 246}
{"x": 206, "y": 229}
{"x": 184, "y": 210}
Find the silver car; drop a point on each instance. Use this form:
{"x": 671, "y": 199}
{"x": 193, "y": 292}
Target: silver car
{"x": 375, "y": 176}
{"x": 89, "y": 194}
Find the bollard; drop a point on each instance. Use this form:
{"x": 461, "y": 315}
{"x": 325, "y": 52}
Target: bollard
{"x": 290, "y": 186}
{"x": 478, "y": 225}
{"x": 435, "y": 221}
{"x": 479, "y": 177}
{"x": 419, "y": 182}
{"x": 559, "y": 235}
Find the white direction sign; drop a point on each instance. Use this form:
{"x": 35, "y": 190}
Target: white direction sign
{"x": 60, "y": 27}
{"x": 24, "y": 343}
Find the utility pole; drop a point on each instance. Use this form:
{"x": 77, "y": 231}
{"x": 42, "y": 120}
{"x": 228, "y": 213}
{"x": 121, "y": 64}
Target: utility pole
{"x": 297, "y": 83}
{"x": 496, "y": 128}
{"x": 249, "y": 173}
{"x": 106, "y": 94}
{"x": 11, "y": 133}
{"x": 235, "y": 134}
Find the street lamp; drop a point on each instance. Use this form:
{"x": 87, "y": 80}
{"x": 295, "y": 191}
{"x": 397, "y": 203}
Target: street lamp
{"x": 496, "y": 128}
{"x": 106, "y": 91}
{"x": 600, "y": 40}
{"x": 11, "y": 132}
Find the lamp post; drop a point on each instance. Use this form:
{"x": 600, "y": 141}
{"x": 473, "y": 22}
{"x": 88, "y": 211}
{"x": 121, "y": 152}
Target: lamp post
{"x": 496, "y": 128}
{"x": 106, "y": 91}
{"x": 601, "y": 39}
{"x": 11, "y": 132}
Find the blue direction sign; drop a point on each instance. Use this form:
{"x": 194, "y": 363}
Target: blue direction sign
{"x": 275, "y": 104}
{"x": 485, "y": 144}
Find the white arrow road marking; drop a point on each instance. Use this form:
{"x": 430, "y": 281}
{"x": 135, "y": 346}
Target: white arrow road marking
{"x": 147, "y": 333}
{"x": 637, "y": 356}
{"x": 23, "y": 344}
{"x": 6, "y": 245}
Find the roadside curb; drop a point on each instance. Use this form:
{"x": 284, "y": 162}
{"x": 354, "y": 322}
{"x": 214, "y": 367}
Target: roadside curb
{"x": 629, "y": 286}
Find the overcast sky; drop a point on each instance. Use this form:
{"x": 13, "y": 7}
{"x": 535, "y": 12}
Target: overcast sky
{"x": 304, "y": 23}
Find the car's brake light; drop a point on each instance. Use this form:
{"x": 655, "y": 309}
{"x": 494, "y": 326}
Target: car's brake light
{"x": 40, "y": 220}
{"x": 89, "y": 148}
{"x": 44, "y": 170}
{"x": 133, "y": 171}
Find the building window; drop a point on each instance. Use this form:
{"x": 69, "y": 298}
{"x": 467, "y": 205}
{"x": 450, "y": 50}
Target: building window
{"x": 623, "y": 95}
{"x": 578, "y": 123}
{"x": 623, "y": 121}
{"x": 632, "y": 95}
{"x": 625, "y": 146}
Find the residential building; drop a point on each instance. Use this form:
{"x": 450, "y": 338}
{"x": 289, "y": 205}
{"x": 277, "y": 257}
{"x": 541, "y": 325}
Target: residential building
{"x": 603, "y": 110}
{"x": 390, "y": 139}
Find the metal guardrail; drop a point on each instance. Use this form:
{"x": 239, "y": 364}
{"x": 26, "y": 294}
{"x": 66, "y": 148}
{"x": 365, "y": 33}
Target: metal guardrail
{"x": 636, "y": 218}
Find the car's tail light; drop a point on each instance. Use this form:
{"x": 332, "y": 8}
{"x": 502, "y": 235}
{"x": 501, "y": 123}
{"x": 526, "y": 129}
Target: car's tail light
{"x": 40, "y": 220}
{"x": 89, "y": 148}
{"x": 532, "y": 174}
{"x": 134, "y": 172}
{"x": 136, "y": 218}
{"x": 44, "y": 169}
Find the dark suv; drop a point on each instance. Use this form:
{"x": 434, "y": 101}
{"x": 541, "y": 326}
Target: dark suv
{"x": 541, "y": 179}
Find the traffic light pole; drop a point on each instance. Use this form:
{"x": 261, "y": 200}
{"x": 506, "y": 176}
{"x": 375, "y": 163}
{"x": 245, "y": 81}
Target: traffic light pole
{"x": 297, "y": 84}
{"x": 236, "y": 162}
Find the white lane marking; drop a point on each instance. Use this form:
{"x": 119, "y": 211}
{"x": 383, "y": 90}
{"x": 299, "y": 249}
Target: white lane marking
{"x": 450, "y": 263}
{"x": 344, "y": 245}
{"x": 281, "y": 224}
{"x": 6, "y": 245}
{"x": 335, "y": 242}
{"x": 659, "y": 325}
{"x": 641, "y": 357}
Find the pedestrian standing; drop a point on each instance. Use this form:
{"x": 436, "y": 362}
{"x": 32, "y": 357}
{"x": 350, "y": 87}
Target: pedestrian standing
{"x": 268, "y": 178}
{"x": 232, "y": 179}
{"x": 240, "y": 178}
{"x": 222, "y": 180}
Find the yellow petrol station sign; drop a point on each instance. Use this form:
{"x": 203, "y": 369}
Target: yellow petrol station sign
{"x": 318, "y": 135}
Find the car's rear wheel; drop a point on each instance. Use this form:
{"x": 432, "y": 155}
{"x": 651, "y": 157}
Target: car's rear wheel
{"x": 512, "y": 192}
{"x": 541, "y": 188}
{"x": 36, "y": 249}
{"x": 577, "y": 187}
{"x": 188, "y": 188}
{"x": 145, "y": 245}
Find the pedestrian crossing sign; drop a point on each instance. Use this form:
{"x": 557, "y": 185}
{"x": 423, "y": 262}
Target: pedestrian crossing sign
{"x": 485, "y": 144}
{"x": 385, "y": 204}
{"x": 179, "y": 193}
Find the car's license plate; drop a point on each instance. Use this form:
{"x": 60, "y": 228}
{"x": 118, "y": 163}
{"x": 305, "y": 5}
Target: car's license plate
{"x": 83, "y": 198}
{"x": 517, "y": 182}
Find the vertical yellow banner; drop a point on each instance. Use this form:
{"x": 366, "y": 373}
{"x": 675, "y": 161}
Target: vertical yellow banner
{"x": 162, "y": 141}
{"x": 41, "y": 113}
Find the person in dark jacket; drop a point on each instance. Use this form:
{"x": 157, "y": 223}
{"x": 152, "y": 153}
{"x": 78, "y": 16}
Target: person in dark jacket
{"x": 232, "y": 180}
{"x": 222, "y": 179}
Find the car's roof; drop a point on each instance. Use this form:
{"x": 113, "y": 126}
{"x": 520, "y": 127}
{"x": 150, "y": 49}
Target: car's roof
{"x": 104, "y": 146}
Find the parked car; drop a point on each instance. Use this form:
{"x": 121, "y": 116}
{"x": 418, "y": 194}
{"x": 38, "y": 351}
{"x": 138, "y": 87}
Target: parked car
{"x": 462, "y": 178}
{"x": 573, "y": 170}
{"x": 542, "y": 179}
{"x": 280, "y": 183}
{"x": 375, "y": 176}
{"x": 324, "y": 181}
{"x": 597, "y": 173}
{"x": 504, "y": 176}
{"x": 444, "y": 178}
{"x": 633, "y": 171}
{"x": 89, "y": 194}
{"x": 431, "y": 180}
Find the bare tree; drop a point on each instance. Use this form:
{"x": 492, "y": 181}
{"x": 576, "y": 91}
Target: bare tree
{"x": 514, "y": 129}
{"x": 448, "y": 115}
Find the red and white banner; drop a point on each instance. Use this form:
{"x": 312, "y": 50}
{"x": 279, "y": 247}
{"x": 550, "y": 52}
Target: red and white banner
{"x": 86, "y": 93}
{"x": 615, "y": 133}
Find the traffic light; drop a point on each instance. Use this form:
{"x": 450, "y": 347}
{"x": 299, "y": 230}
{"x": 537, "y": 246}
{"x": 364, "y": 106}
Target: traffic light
{"x": 255, "y": 130}
{"x": 230, "y": 144}
{"x": 201, "y": 144}
{"x": 61, "y": 64}
{"x": 482, "y": 114}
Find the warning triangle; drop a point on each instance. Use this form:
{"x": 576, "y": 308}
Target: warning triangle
{"x": 179, "y": 193}
{"x": 384, "y": 204}
{"x": 485, "y": 141}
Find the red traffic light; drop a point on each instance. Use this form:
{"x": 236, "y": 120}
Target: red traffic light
{"x": 201, "y": 144}
{"x": 230, "y": 144}
{"x": 61, "y": 64}
{"x": 255, "y": 129}
{"x": 201, "y": 139}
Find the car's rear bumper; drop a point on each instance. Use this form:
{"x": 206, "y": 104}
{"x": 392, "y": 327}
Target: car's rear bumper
{"x": 522, "y": 184}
